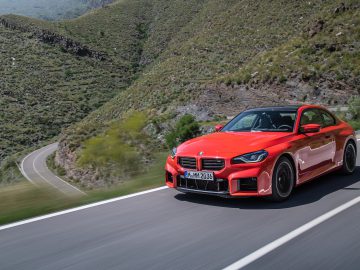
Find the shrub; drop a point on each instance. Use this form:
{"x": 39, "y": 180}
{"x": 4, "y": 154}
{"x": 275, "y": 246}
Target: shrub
{"x": 68, "y": 73}
{"x": 186, "y": 128}
{"x": 354, "y": 107}
{"x": 115, "y": 146}
{"x": 282, "y": 79}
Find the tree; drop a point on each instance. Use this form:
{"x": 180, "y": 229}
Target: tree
{"x": 185, "y": 129}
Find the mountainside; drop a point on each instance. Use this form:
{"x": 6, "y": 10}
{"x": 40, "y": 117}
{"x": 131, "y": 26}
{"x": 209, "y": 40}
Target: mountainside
{"x": 164, "y": 58}
{"x": 321, "y": 65}
{"x": 50, "y": 9}
{"x": 211, "y": 49}
{"x": 49, "y": 80}
{"x": 55, "y": 73}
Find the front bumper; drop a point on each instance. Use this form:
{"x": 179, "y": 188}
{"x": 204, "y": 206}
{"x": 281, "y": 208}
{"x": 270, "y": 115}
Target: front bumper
{"x": 223, "y": 194}
{"x": 233, "y": 174}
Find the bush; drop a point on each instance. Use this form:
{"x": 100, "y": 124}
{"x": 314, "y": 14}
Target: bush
{"x": 115, "y": 146}
{"x": 185, "y": 129}
{"x": 354, "y": 107}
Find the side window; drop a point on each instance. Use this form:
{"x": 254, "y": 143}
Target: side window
{"x": 328, "y": 119}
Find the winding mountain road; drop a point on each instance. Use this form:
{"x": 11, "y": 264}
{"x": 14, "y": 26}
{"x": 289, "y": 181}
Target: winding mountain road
{"x": 34, "y": 168}
{"x": 318, "y": 228}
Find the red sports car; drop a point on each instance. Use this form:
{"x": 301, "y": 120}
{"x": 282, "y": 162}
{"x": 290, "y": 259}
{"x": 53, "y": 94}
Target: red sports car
{"x": 264, "y": 152}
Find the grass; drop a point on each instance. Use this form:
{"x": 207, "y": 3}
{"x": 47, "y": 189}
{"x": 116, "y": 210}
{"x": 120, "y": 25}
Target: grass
{"x": 355, "y": 124}
{"x": 44, "y": 90}
{"x": 50, "y": 162}
{"x": 22, "y": 200}
{"x": 353, "y": 112}
{"x": 119, "y": 153}
{"x": 329, "y": 53}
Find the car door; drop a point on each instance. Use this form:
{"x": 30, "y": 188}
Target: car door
{"x": 317, "y": 150}
{"x": 331, "y": 132}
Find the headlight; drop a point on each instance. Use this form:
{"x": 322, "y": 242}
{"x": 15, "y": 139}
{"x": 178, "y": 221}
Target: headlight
{"x": 250, "y": 157}
{"x": 173, "y": 152}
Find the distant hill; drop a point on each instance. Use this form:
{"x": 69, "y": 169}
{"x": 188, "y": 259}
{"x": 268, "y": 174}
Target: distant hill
{"x": 49, "y": 9}
{"x": 211, "y": 58}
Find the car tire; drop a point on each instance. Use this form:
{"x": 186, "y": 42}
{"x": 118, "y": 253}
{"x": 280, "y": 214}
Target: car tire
{"x": 349, "y": 159}
{"x": 283, "y": 180}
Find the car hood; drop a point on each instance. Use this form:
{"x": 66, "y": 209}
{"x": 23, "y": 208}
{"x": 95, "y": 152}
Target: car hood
{"x": 230, "y": 144}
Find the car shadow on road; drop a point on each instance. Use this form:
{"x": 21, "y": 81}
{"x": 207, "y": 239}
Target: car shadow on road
{"x": 307, "y": 193}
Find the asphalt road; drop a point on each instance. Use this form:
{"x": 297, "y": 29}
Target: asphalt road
{"x": 169, "y": 230}
{"x": 34, "y": 168}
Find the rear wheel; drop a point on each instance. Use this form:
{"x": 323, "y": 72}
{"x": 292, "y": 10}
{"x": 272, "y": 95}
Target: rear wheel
{"x": 283, "y": 180}
{"x": 349, "y": 160}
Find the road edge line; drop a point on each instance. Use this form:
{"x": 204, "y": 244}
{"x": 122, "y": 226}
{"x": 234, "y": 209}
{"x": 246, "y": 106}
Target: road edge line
{"x": 39, "y": 174}
{"x": 289, "y": 236}
{"x": 79, "y": 208}
{"x": 23, "y": 171}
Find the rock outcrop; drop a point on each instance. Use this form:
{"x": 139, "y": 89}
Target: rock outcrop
{"x": 49, "y": 37}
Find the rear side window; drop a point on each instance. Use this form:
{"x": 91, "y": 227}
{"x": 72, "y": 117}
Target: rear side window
{"x": 317, "y": 116}
{"x": 329, "y": 120}
{"x": 311, "y": 116}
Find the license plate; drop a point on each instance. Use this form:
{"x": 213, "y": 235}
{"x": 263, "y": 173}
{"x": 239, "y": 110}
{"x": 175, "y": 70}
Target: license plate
{"x": 209, "y": 176}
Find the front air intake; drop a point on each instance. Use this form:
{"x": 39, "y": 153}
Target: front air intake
{"x": 247, "y": 184}
{"x": 187, "y": 162}
{"x": 212, "y": 164}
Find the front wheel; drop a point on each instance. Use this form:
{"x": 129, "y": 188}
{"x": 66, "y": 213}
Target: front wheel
{"x": 349, "y": 159}
{"x": 283, "y": 180}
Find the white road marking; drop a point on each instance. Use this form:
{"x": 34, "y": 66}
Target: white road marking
{"x": 39, "y": 174}
{"x": 23, "y": 171}
{"x": 70, "y": 184}
{"x": 31, "y": 220}
{"x": 291, "y": 235}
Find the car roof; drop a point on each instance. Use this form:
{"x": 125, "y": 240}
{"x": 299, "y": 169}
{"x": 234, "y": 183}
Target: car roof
{"x": 292, "y": 108}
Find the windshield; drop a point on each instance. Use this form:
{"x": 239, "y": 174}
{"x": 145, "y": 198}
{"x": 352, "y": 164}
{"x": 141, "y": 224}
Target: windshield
{"x": 262, "y": 120}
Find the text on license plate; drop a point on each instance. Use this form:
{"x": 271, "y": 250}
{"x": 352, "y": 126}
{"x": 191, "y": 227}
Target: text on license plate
{"x": 199, "y": 175}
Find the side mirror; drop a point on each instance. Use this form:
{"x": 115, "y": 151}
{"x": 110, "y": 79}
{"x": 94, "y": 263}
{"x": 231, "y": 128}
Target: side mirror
{"x": 310, "y": 128}
{"x": 218, "y": 128}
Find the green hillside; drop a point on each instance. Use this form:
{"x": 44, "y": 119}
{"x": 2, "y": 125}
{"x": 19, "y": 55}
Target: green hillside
{"x": 50, "y": 85}
{"x": 322, "y": 63}
{"x": 43, "y": 90}
{"x": 224, "y": 37}
{"x": 161, "y": 57}
{"x": 45, "y": 82}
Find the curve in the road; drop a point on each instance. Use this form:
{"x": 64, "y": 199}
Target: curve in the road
{"x": 34, "y": 169}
